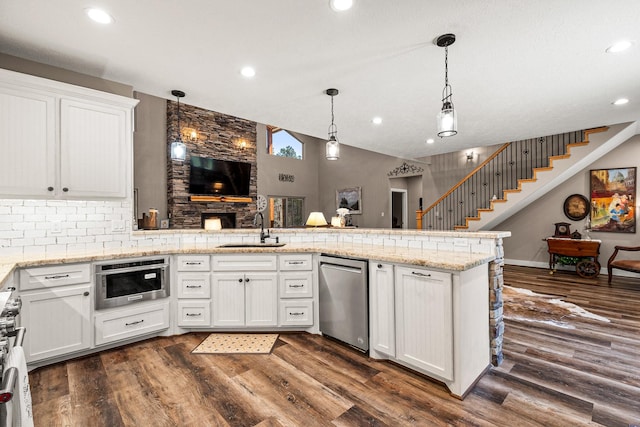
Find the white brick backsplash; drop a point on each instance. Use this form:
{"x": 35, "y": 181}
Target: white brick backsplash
{"x": 34, "y": 218}
{"x": 53, "y": 250}
{"x": 11, "y": 218}
{"x": 13, "y": 202}
{"x": 95, "y": 217}
{"x": 65, "y": 240}
{"x": 45, "y": 210}
{"x": 45, "y": 241}
{"x": 430, "y": 246}
{"x": 12, "y": 234}
{"x": 5, "y": 226}
{"x": 76, "y": 248}
{"x": 445, "y": 246}
{"x": 415, "y": 244}
{"x": 5, "y": 210}
{"x": 66, "y": 210}
{"x": 57, "y": 202}
{"x": 24, "y": 226}
{"x": 23, "y": 210}
{"x": 34, "y": 252}
{"x": 35, "y": 233}
{"x": 96, "y": 231}
{"x": 87, "y": 210}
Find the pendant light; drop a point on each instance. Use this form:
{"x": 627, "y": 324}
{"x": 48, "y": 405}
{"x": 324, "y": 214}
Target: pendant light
{"x": 333, "y": 146}
{"x": 447, "y": 118}
{"x": 178, "y": 149}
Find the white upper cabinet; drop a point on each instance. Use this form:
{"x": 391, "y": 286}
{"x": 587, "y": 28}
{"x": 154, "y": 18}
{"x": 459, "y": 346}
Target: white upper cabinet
{"x": 63, "y": 141}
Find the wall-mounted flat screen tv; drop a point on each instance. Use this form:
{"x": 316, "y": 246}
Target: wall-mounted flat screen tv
{"x": 219, "y": 177}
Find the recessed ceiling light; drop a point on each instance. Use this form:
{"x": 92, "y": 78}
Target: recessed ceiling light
{"x": 377, "y": 120}
{"x": 619, "y": 46}
{"x": 620, "y": 101}
{"x": 430, "y": 141}
{"x": 99, "y": 15}
{"x": 248, "y": 71}
{"x": 340, "y": 5}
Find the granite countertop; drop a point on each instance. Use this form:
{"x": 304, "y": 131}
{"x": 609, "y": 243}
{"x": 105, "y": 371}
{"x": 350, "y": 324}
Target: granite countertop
{"x": 453, "y": 261}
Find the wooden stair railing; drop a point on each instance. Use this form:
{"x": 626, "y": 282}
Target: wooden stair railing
{"x": 504, "y": 172}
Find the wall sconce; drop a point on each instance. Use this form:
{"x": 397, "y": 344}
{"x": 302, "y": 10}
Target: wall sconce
{"x": 469, "y": 156}
{"x": 316, "y": 219}
{"x": 242, "y": 144}
{"x": 193, "y": 135}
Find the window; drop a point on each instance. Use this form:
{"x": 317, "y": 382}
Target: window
{"x": 281, "y": 143}
{"x": 286, "y": 212}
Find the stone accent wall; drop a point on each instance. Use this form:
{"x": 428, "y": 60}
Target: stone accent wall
{"x": 220, "y": 137}
{"x": 496, "y": 319}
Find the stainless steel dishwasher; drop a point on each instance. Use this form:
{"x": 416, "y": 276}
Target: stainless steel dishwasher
{"x": 344, "y": 300}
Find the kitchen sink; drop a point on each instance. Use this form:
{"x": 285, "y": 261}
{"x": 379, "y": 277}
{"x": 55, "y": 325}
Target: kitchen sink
{"x": 252, "y": 245}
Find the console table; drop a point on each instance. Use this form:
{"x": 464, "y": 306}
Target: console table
{"x": 586, "y": 252}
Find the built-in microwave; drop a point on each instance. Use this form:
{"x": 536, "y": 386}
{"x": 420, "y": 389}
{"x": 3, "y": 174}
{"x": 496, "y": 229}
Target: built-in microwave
{"x": 131, "y": 281}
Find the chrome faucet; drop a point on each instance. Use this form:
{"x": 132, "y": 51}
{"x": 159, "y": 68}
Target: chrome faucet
{"x": 263, "y": 236}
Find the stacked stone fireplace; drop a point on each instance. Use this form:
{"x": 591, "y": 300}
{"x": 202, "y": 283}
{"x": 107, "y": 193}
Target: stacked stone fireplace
{"x": 218, "y": 136}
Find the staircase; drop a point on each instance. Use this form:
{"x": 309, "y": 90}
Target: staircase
{"x": 517, "y": 174}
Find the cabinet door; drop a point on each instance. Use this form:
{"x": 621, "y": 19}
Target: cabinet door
{"x": 57, "y": 321}
{"x": 27, "y": 143}
{"x": 381, "y": 301}
{"x": 424, "y": 320}
{"x": 261, "y": 299}
{"x": 94, "y": 149}
{"x": 228, "y": 299}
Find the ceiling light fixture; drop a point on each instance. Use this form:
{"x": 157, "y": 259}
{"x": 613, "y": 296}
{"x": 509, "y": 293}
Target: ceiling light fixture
{"x": 248, "y": 71}
{"x": 619, "y": 46}
{"x": 447, "y": 117}
{"x": 333, "y": 146}
{"x": 620, "y": 101}
{"x": 430, "y": 141}
{"x": 340, "y": 5}
{"x": 377, "y": 120}
{"x": 178, "y": 149}
{"x": 99, "y": 16}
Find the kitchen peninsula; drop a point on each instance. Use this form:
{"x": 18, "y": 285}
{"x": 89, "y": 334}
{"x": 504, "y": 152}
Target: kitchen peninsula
{"x": 402, "y": 264}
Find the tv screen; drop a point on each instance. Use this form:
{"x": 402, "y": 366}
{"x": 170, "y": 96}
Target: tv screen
{"x": 219, "y": 177}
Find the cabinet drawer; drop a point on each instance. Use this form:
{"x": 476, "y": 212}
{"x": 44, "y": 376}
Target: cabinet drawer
{"x": 296, "y": 285}
{"x": 247, "y": 262}
{"x": 194, "y": 285}
{"x": 193, "y": 262}
{"x": 292, "y": 262}
{"x": 58, "y": 275}
{"x": 296, "y": 313}
{"x": 194, "y": 313}
{"x": 123, "y": 324}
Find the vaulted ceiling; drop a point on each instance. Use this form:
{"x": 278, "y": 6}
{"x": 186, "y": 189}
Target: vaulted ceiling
{"x": 518, "y": 68}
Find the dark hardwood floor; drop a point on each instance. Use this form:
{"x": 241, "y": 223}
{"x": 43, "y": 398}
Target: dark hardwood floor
{"x": 551, "y": 376}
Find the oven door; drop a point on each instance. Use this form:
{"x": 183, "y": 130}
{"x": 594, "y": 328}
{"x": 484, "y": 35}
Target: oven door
{"x": 128, "y": 285}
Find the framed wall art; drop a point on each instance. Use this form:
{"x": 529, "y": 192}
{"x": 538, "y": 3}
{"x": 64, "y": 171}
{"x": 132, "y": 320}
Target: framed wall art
{"x": 613, "y": 200}
{"x": 350, "y": 198}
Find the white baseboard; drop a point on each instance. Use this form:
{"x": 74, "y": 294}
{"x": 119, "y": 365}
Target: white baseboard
{"x": 545, "y": 265}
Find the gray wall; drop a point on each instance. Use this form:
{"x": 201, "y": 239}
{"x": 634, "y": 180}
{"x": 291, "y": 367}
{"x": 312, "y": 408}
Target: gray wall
{"x": 305, "y": 171}
{"x": 368, "y": 170}
{"x": 14, "y": 63}
{"x": 535, "y": 222}
{"x": 150, "y": 154}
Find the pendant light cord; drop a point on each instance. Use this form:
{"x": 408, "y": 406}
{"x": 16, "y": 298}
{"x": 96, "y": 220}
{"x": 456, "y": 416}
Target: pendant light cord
{"x": 179, "y": 133}
{"x": 333, "y": 129}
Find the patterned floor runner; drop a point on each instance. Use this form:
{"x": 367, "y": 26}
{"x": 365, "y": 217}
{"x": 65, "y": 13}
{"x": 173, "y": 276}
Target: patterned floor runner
{"x": 237, "y": 343}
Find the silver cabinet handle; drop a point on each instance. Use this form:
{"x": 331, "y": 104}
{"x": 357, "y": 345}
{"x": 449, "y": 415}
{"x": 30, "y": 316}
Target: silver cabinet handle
{"x": 193, "y": 314}
{"x": 86, "y": 294}
{"x": 296, "y": 286}
{"x": 57, "y": 276}
{"x": 420, "y": 274}
{"x": 295, "y": 262}
{"x": 194, "y": 286}
{"x": 193, "y": 263}
{"x": 134, "y": 323}
{"x": 298, "y": 313}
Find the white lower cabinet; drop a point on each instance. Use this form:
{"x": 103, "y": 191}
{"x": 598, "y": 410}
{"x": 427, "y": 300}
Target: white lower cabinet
{"x": 135, "y": 320}
{"x": 382, "y": 309}
{"x": 245, "y": 299}
{"x": 424, "y": 320}
{"x": 194, "y": 313}
{"x": 296, "y": 313}
{"x": 58, "y": 321}
{"x": 56, "y": 310}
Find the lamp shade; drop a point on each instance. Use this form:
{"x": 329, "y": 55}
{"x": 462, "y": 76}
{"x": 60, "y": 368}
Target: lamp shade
{"x": 447, "y": 121}
{"x": 178, "y": 150}
{"x": 212, "y": 224}
{"x": 332, "y": 149}
{"x": 316, "y": 219}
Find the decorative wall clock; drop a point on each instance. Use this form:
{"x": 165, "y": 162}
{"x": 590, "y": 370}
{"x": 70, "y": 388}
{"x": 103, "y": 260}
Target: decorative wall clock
{"x": 576, "y": 207}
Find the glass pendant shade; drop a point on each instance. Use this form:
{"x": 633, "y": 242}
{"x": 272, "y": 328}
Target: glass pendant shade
{"x": 178, "y": 150}
{"x": 332, "y": 149}
{"x": 447, "y": 121}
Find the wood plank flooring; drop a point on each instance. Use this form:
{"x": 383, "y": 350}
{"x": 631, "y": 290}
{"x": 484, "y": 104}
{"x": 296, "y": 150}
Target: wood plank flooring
{"x": 587, "y": 376}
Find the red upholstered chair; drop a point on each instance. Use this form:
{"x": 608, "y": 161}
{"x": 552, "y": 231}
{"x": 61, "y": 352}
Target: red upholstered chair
{"x": 623, "y": 264}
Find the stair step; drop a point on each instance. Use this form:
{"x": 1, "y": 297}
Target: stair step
{"x": 578, "y": 144}
{"x": 559, "y": 157}
{"x": 512, "y": 190}
{"x": 460, "y": 227}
